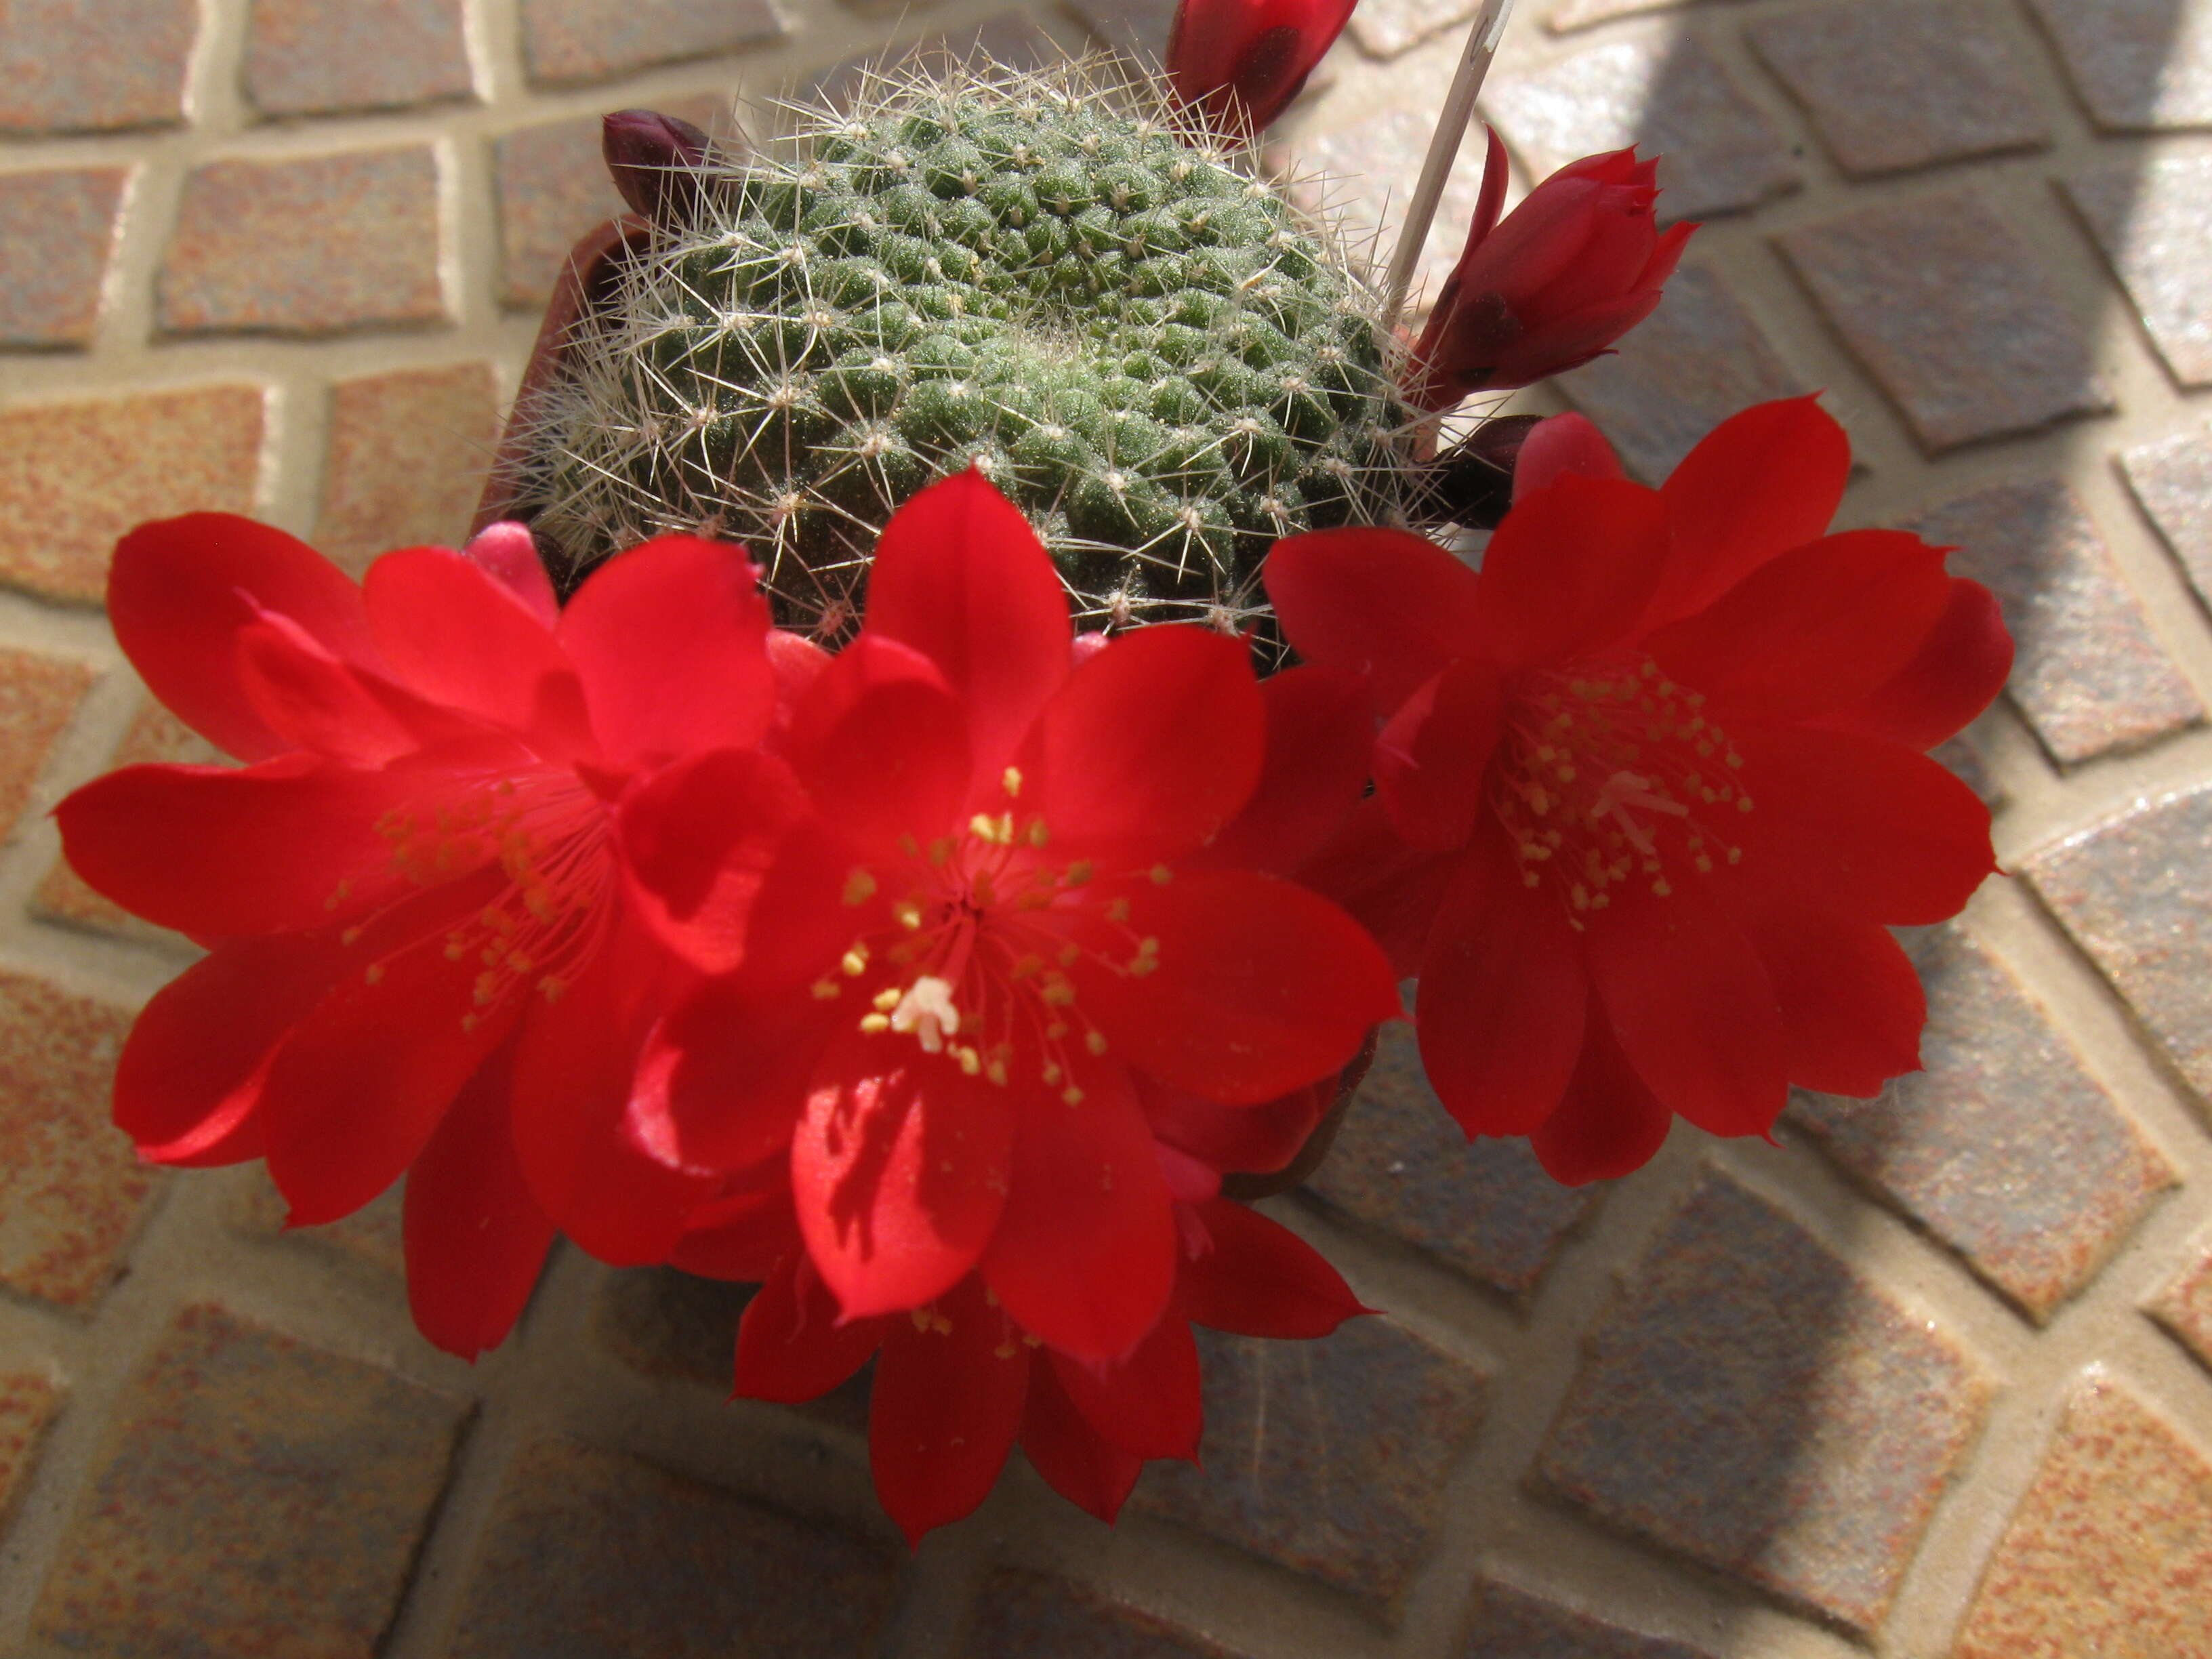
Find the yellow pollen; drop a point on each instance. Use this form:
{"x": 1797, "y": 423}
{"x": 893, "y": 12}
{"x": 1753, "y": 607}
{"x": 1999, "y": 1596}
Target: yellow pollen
{"x": 1012, "y": 782}
{"x": 910, "y": 846}
{"x": 1051, "y": 1073}
{"x": 1025, "y": 966}
{"x": 859, "y": 887}
{"x": 1743, "y": 803}
{"x": 1039, "y": 835}
{"x": 1736, "y": 855}
{"x": 1078, "y": 873}
{"x": 909, "y": 914}
{"x": 994, "y": 1069}
{"x": 375, "y": 974}
{"x": 1118, "y": 911}
{"x": 1072, "y": 1094}
{"x": 1057, "y": 993}
{"x": 888, "y": 999}
{"x": 1069, "y": 955}
{"x": 1148, "y": 946}
{"x": 470, "y": 1022}
{"x": 1094, "y": 1042}
{"x": 1055, "y": 1031}
{"x": 825, "y": 990}
{"x": 551, "y": 988}
{"x": 970, "y": 1061}
{"x": 872, "y": 1023}
{"x": 854, "y": 961}
{"x": 352, "y": 936}
{"x": 1661, "y": 888}
{"x": 1162, "y": 875}
{"x": 1530, "y": 878}
{"x": 940, "y": 852}
{"x": 1734, "y": 759}
{"x": 1142, "y": 966}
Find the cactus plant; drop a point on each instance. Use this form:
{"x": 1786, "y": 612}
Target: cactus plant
{"x": 1053, "y": 277}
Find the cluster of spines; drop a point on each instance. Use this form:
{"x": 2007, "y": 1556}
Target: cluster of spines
{"x": 1165, "y": 365}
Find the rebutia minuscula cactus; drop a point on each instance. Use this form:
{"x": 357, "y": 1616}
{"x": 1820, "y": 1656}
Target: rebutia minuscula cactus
{"x": 1054, "y": 277}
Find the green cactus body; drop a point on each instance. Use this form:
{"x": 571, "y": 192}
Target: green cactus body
{"x": 1163, "y": 361}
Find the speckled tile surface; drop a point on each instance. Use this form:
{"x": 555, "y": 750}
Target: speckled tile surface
{"x": 1927, "y": 1379}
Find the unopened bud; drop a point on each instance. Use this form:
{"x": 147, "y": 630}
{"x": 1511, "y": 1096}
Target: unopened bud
{"x": 658, "y": 163}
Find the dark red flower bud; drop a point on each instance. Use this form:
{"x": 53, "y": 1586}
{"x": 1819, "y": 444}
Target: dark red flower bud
{"x": 1239, "y": 63}
{"x": 658, "y": 162}
{"x": 1572, "y": 269}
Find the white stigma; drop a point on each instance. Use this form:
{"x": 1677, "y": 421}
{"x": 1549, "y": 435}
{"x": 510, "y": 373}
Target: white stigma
{"x": 927, "y": 1011}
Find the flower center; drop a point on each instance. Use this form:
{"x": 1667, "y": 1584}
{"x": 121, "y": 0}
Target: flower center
{"x": 973, "y": 958}
{"x": 1610, "y": 775}
{"x": 548, "y": 833}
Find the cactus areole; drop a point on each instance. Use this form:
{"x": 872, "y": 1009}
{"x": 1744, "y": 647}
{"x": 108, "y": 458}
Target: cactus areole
{"x": 1145, "y": 343}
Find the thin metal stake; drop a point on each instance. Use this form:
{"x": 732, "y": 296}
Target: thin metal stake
{"x": 1443, "y": 149}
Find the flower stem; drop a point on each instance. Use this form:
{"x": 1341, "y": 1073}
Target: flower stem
{"x": 1443, "y": 149}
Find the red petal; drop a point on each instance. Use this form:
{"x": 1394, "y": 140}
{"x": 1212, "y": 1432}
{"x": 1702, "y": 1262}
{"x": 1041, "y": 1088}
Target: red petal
{"x": 1956, "y": 673}
{"x": 947, "y": 1404}
{"x": 1432, "y": 762}
{"x": 1089, "y": 1471}
{"x": 1152, "y": 747}
{"x": 961, "y": 577}
{"x": 189, "y": 1082}
{"x": 1148, "y": 1403}
{"x": 179, "y": 592}
{"x": 1608, "y": 1123}
{"x": 1383, "y": 603}
{"x": 1259, "y": 1279}
{"x": 790, "y": 1344}
{"x": 797, "y": 662}
{"x": 742, "y": 1237}
{"x": 1565, "y": 445}
{"x": 589, "y": 1166}
{"x": 1852, "y": 1006}
{"x": 1855, "y": 826}
{"x": 725, "y": 1074}
{"x": 1818, "y": 627}
{"x": 1693, "y": 1010}
{"x": 215, "y": 852}
{"x": 1502, "y": 995}
{"x": 1571, "y": 568}
{"x": 1257, "y": 1138}
{"x": 881, "y": 745}
{"x": 1390, "y": 888}
{"x": 1758, "y": 485}
{"x": 1084, "y": 1255}
{"x": 1262, "y": 986}
{"x": 355, "y": 1094}
{"x": 700, "y": 839}
{"x": 899, "y": 1170}
{"x": 506, "y": 551}
{"x": 671, "y": 641}
{"x": 1320, "y": 735}
{"x": 475, "y": 1240}
{"x": 457, "y": 635}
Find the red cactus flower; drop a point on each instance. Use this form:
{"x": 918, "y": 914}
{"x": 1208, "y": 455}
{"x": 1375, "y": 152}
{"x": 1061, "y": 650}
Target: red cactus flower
{"x": 1240, "y": 63}
{"x": 1577, "y": 265}
{"x": 422, "y": 952}
{"x": 958, "y": 1380}
{"x": 1651, "y": 788}
{"x": 1031, "y": 899}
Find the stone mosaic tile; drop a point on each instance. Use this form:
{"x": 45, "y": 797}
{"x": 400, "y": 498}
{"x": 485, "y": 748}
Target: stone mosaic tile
{"x": 1509, "y": 1623}
{"x": 68, "y": 67}
{"x": 1403, "y": 1165}
{"x": 1904, "y": 83}
{"x": 76, "y": 475}
{"x": 1673, "y": 98}
{"x": 570, "y": 40}
{"x": 1367, "y": 172}
{"x": 407, "y": 457}
{"x": 1967, "y": 754}
{"x": 1327, "y": 1457}
{"x": 2110, "y": 1552}
{"x": 27, "y": 1403}
{"x": 1570, "y": 15}
{"x": 37, "y": 696}
{"x": 2184, "y": 1306}
{"x": 2149, "y": 221}
{"x": 1949, "y": 311}
{"x": 370, "y": 1239}
{"x": 1136, "y": 28}
{"x": 1027, "y": 1615}
{"x": 2004, "y": 1147}
{"x": 1013, "y": 38}
{"x": 57, "y": 231}
{"x": 1757, "y": 1404}
{"x": 307, "y": 246}
{"x": 71, "y": 1190}
{"x": 155, "y": 736}
{"x": 333, "y": 57}
{"x": 2131, "y": 892}
{"x": 593, "y": 1556}
{"x": 2172, "y": 480}
{"x": 253, "y": 1497}
{"x": 1384, "y": 28}
{"x": 2137, "y": 64}
{"x": 1691, "y": 364}
{"x": 2087, "y": 672}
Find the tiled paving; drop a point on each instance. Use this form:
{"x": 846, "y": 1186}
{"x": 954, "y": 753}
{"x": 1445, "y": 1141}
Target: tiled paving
{"x": 1929, "y": 1379}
